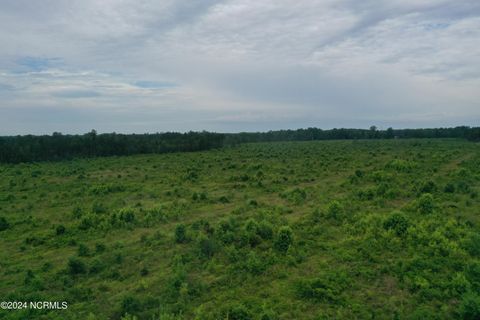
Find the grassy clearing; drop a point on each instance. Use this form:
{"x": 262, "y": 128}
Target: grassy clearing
{"x": 303, "y": 230}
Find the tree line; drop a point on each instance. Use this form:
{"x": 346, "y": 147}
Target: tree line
{"x": 31, "y": 148}
{"x": 462, "y": 132}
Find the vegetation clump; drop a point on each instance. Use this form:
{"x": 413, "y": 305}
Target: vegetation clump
{"x": 60, "y": 229}
{"x": 397, "y": 222}
{"x": 180, "y": 233}
{"x": 4, "y": 225}
{"x": 425, "y": 204}
{"x": 284, "y": 239}
{"x": 334, "y": 210}
{"x": 76, "y": 266}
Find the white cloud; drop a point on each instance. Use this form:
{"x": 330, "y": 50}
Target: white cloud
{"x": 237, "y": 64}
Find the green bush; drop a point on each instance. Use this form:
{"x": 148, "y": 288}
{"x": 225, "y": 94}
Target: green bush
{"x": 334, "y": 210}
{"x": 195, "y": 196}
{"x": 191, "y": 175}
{"x": 223, "y": 199}
{"x": 60, "y": 229}
{"x": 400, "y": 165}
{"x": 425, "y": 203}
{"x": 473, "y": 274}
{"x": 207, "y": 246}
{"x": 89, "y": 221}
{"x": 423, "y": 313}
{"x": 97, "y": 266}
{"x": 463, "y": 186}
{"x": 98, "y": 208}
{"x": 83, "y": 250}
{"x": 459, "y": 284}
{"x": 76, "y": 266}
{"x": 265, "y": 230}
{"x": 250, "y": 234}
{"x": 126, "y": 215}
{"x": 326, "y": 288}
{"x": 296, "y": 196}
{"x": 169, "y": 316}
{"x": 130, "y": 305}
{"x": 4, "y": 225}
{"x": 238, "y": 312}
{"x": 104, "y": 189}
{"x": 255, "y": 264}
{"x": 180, "y": 233}
{"x": 226, "y": 231}
{"x": 472, "y": 244}
{"x": 77, "y": 212}
{"x": 449, "y": 188}
{"x": 284, "y": 239}
{"x": 29, "y": 277}
{"x": 175, "y": 283}
{"x": 144, "y": 271}
{"x": 469, "y": 308}
{"x": 428, "y": 187}
{"x": 398, "y": 222}
{"x": 100, "y": 247}
{"x": 366, "y": 195}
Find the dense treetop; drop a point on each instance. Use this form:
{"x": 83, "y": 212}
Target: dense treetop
{"x": 30, "y": 148}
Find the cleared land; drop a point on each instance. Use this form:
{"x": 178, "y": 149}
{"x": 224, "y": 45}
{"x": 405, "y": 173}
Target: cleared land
{"x": 302, "y": 230}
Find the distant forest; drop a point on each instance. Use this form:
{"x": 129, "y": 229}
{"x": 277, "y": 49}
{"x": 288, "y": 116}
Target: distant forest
{"x": 30, "y": 148}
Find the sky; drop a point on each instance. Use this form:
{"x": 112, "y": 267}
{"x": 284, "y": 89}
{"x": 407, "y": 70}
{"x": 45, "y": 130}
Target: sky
{"x": 135, "y": 66}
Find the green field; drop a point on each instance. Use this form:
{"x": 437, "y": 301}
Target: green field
{"x": 385, "y": 229}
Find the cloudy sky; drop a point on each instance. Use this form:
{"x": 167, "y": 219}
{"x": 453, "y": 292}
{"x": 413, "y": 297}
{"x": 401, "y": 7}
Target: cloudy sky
{"x": 237, "y": 65}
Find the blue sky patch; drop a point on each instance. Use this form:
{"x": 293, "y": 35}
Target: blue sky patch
{"x": 38, "y": 64}
{"x": 154, "y": 84}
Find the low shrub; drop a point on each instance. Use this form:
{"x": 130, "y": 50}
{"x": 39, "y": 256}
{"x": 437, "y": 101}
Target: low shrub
{"x": 223, "y": 199}
{"x": 130, "y": 305}
{"x": 255, "y": 264}
{"x": 265, "y": 230}
{"x": 473, "y": 275}
{"x": 226, "y": 231}
{"x": 206, "y": 246}
{"x": 469, "y": 308}
{"x": 97, "y": 266}
{"x": 98, "y": 208}
{"x": 425, "y": 204}
{"x": 400, "y": 165}
{"x": 180, "y": 233}
{"x": 76, "y": 266}
{"x": 284, "y": 239}
{"x": 449, "y": 188}
{"x": 144, "y": 271}
{"x": 100, "y": 247}
{"x": 126, "y": 215}
{"x": 60, "y": 229}
{"x": 326, "y": 288}
{"x": 4, "y": 225}
{"x": 398, "y": 222}
{"x": 296, "y": 196}
{"x": 428, "y": 187}
{"x": 334, "y": 210}
{"x": 83, "y": 250}
{"x": 238, "y": 312}
{"x": 472, "y": 244}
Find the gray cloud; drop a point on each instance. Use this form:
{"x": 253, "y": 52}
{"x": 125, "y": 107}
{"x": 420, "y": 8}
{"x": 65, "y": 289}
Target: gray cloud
{"x": 76, "y": 94}
{"x": 139, "y": 66}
